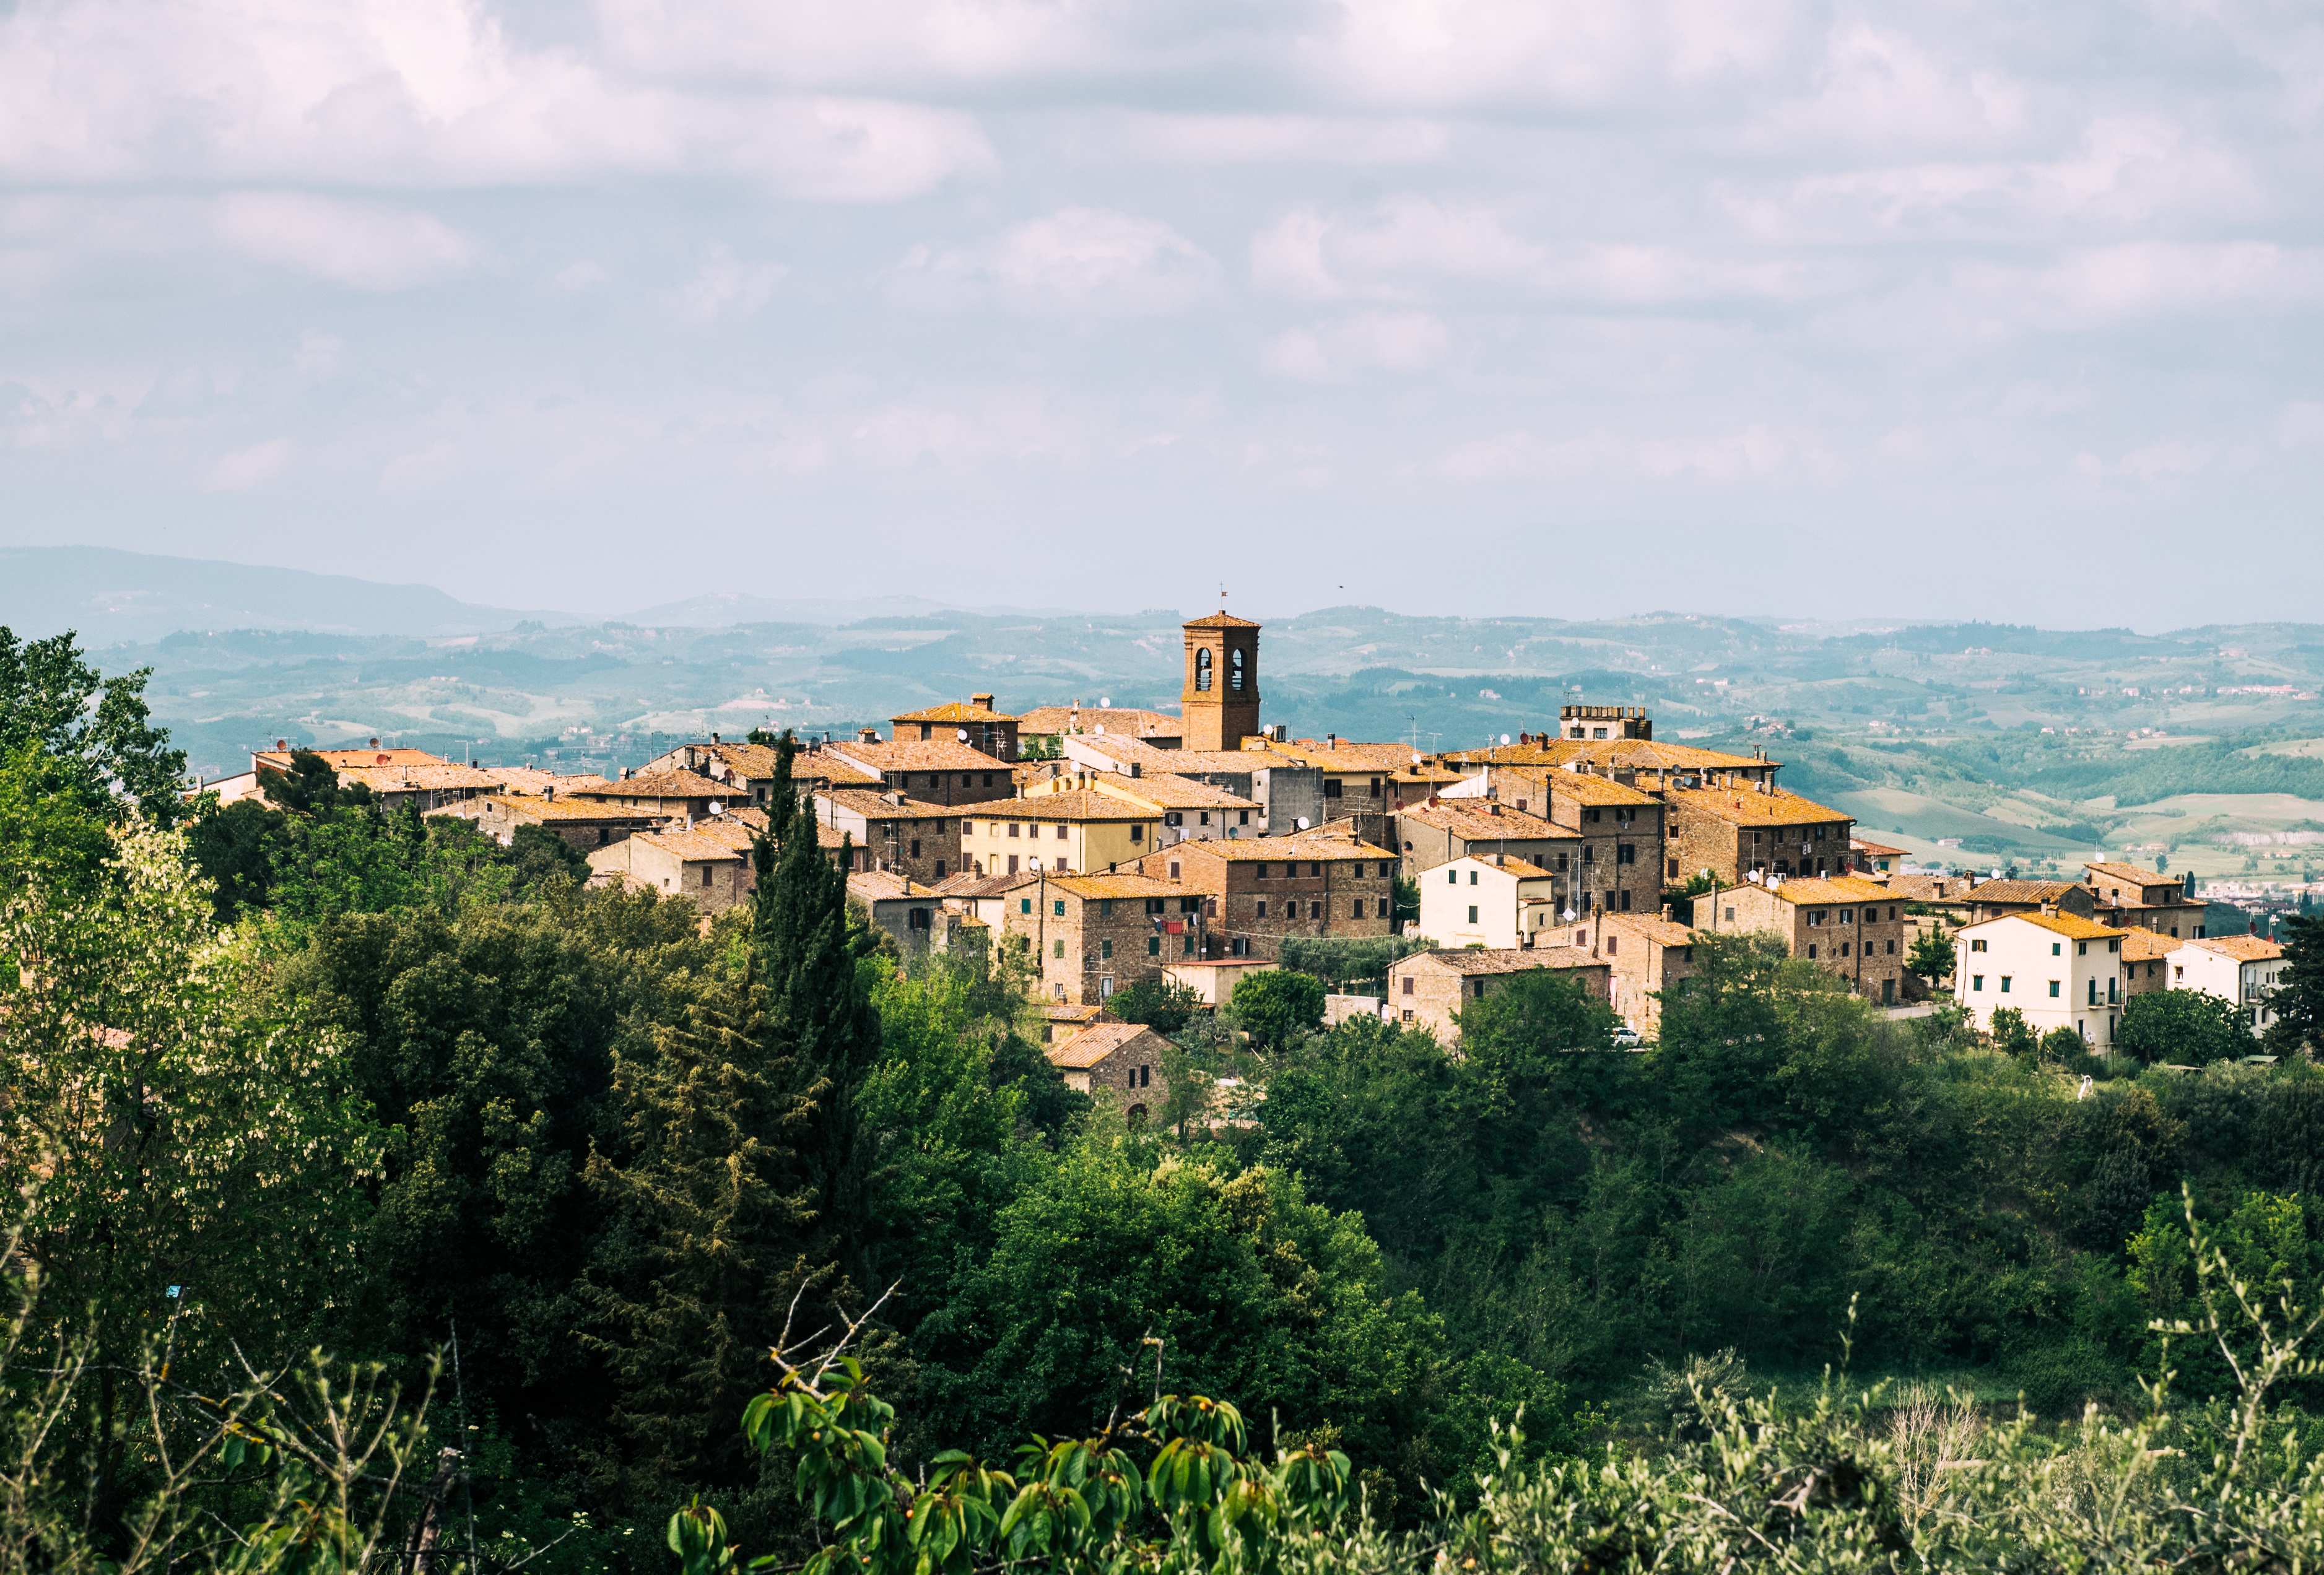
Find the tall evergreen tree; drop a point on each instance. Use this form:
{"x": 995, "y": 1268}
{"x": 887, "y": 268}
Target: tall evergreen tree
{"x": 819, "y": 1010}
{"x": 700, "y": 1256}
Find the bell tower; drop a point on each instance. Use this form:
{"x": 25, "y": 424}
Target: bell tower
{"x": 1220, "y": 703}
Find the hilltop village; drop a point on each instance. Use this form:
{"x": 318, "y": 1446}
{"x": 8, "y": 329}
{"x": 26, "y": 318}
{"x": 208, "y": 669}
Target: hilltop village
{"x": 1127, "y": 847}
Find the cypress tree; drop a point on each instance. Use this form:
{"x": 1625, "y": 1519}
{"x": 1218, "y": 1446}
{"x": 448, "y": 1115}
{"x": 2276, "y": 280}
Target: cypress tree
{"x": 818, "y": 1008}
{"x": 703, "y": 1243}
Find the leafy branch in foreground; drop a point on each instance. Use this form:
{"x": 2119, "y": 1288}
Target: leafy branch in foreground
{"x": 1841, "y": 1482}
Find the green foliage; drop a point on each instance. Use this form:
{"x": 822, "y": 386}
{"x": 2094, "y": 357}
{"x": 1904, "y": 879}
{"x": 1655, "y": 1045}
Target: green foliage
{"x": 98, "y": 728}
{"x": 1341, "y": 960}
{"x": 2297, "y": 1002}
{"x": 1932, "y": 955}
{"x": 2012, "y": 1036}
{"x": 1275, "y": 1006}
{"x": 2183, "y": 1027}
{"x": 1158, "y": 1003}
{"x": 54, "y": 829}
{"x": 235, "y": 846}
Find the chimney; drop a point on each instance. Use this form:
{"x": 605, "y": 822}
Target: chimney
{"x": 868, "y": 735}
{"x": 982, "y": 702}
{"x": 1331, "y": 740}
{"x": 1666, "y": 912}
{"x": 549, "y": 792}
{"x": 714, "y": 737}
{"x": 1136, "y": 769}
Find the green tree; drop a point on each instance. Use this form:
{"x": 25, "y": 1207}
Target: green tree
{"x": 312, "y": 785}
{"x": 168, "y": 1128}
{"x": 53, "y": 828}
{"x": 98, "y": 727}
{"x": 2182, "y": 1026}
{"x": 1158, "y": 1003}
{"x": 1278, "y": 1006}
{"x": 2297, "y": 1002}
{"x": 708, "y": 1224}
{"x": 236, "y": 845}
{"x": 1932, "y": 955}
{"x": 818, "y": 1001}
{"x": 2011, "y": 1035}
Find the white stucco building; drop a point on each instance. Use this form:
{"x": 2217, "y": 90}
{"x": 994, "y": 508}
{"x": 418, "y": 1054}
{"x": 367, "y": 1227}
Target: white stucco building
{"x": 2060, "y": 971}
{"x": 1494, "y": 901}
{"x": 2238, "y": 968}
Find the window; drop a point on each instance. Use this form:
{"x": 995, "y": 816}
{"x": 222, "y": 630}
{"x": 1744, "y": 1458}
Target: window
{"x": 1332, "y": 787}
{"x": 968, "y": 828}
{"x": 1262, "y": 907}
{"x": 1359, "y": 911}
{"x": 2082, "y": 948}
{"x": 1173, "y": 872}
{"x": 1626, "y": 853}
{"x": 1154, "y": 946}
{"x": 1314, "y": 910}
{"x": 1105, "y": 949}
{"x": 1613, "y": 945}
{"x": 1314, "y": 868}
{"x": 1977, "y": 945}
{"x": 2057, "y": 949}
{"x": 1202, "y": 672}
{"x": 1105, "y": 907}
{"x": 1481, "y": 989}
{"x": 1245, "y": 818}
{"x": 1060, "y": 948}
{"x": 1234, "y": 671}
{"x": 1058, "y": 907}
{"x": 1847, "y": 915}
{"x": 1892, "y": 948}
{"x": 1472, "y": 913}
{"x": 915, "y": 847}
{"x": 1673, "y": 868}
{"x": 1137, "y": 831}
{"x": 1012, "y": 866}
{"x": 1891, "y": 919}
{"x": 1407, "y": 984}
{"x": 705, "y": 874}
{"x": 1589, "y": 853}
{"x": 1061, "y": 832}
{"x": 1816, "y": 917}
{"x": 1014, "y": 830}
{"x": 1561, "y": 869}
{"x": 1451, "y": 877}
{"x": 1174, "y": 818}
{"x": 1591, "y": 815}
{"x": 1472, "y": 878}
{"x": 1024, "y": 905}
{"x": 2005, "y": 984}
{"x": 2053, "y": 990}
{"x": 1976, "y": 981}
{"x": 1812, "y": 951}
{"x": 1843, "y": 948}
{"x": 988, "y": 779}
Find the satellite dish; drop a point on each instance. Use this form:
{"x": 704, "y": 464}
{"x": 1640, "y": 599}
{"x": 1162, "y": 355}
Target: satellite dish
{"x": 1505, "y": 738}
{"x": 1415, "y": 759}
{"x": 960, "y": 733}
{"x": 1569, "y": 916}
{"x": 1303, "y": 823}
{"x": 1104, "y": 703}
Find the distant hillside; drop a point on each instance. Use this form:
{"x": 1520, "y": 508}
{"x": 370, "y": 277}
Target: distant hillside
{"x": 121, "y": 598}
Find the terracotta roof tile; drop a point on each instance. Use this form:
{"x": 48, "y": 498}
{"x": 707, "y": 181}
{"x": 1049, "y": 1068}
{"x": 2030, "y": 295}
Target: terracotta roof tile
{"x": 1810, "y": 888}
{"x": 1663, "y": 932}
{"x": 936, "y": 754}
{"x": 1220, "y": 620}
{"x": 1102, "y": 720}
{"x": 1481, "y": 823}
{"x": 873, "y": 804}
{"x": 1069, "y": 805}
{"x": 956, "y": 710}
{"x": 2242, "y": 948}
{"x": 1482, "y": 959}
{"x": 1741, "y": 807}
{"x": 1098, "y": 1041}
{"x": 659, "y": 785}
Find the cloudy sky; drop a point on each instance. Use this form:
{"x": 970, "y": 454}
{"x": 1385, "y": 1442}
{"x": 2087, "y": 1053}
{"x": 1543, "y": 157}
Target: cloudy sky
{"x": 1958, "y": 308}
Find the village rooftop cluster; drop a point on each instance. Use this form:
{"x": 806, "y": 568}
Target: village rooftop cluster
{"x": 1125, "y": 846}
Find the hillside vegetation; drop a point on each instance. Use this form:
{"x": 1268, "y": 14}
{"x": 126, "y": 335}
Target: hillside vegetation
{"x": 417, "y": 1206}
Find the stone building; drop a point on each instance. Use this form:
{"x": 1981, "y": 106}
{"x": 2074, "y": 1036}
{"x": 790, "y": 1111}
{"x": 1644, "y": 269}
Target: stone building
{"x": 1256, "y": 893}
{"x": 395, "y": 776}
{"x": 938, "y": 770}
{"x": 904, "y": 836}
{"x": 582, "y": 823}
{"x": 679, "y": 795}
{"x": 1732, "y": 832}
{"x": 973, "y": 722}
{"x": 709, "y": 865}
{"x": 1430, "y": 990}
{"x": 1045, "y": 728}
{"x": 2129, "y": 897}
{"x": 1117, "y": 1062}
{"x": 1221, "y": 701}
{"x": 1993, "y": 899}
{"x": 913, "y": 914}
{"x": 1446, "y": 829}
{"x": 1644, "y": 954}
{"x": 1286, "y": 792}
{"x": 1093, "y": 934}
{"x": 1847, "y": 925}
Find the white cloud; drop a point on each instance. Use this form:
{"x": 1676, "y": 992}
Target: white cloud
{"x": 725, "y": 286}
{"x": 363, "y": 244}
{"x": 249, "y": 467}
{"x": 2302, "y": 425}
{"x": 1077, "y": 261}
{"x": 424, "y": 467}
{"x": 1385, "y": 341}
